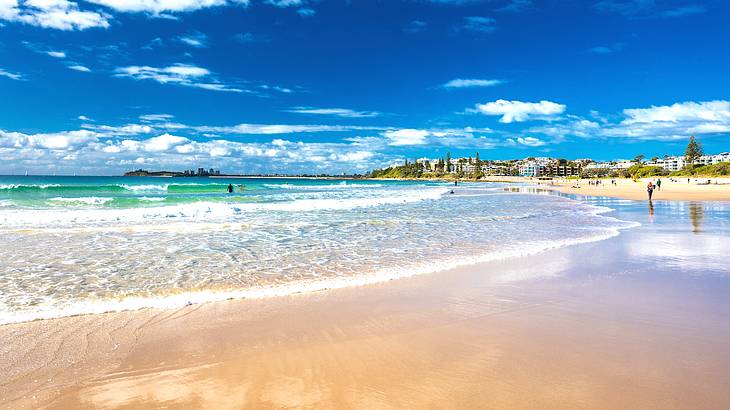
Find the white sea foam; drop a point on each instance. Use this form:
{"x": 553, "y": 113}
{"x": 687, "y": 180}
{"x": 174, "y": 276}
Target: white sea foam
{"x": 198, "y": 210}
{"x": 115, "y": 259}
{"x": 152, "y": 199}
{"x": 16, "y": 186}
{"x": 341, "y": 185}
{"x": 142, "y": 188}
{"x": 89, "y": 200}
{"x": 206, "y": 296}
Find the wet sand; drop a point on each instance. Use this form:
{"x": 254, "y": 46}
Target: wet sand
{"x": 637, "y": 321}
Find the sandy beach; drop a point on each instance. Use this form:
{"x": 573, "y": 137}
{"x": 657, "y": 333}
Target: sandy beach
{"x": 673, "y": 189}
{"x": 634, "y": 321}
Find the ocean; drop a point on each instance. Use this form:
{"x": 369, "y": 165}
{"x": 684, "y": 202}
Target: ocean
{"x": 79, "y": 245}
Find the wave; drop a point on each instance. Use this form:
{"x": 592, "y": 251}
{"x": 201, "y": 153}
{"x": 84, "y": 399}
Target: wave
{"x": 91, "y": 200}
{"x": 197, "y": 211}
{"x": 113, "y": 188}
{"x": 185, "y": 298}
{"x": 341, "y": 185}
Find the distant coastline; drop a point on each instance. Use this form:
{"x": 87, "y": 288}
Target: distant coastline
{"x": 175, "y": 174}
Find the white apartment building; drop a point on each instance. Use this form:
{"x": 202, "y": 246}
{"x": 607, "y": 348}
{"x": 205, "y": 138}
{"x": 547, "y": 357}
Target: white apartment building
{"x": 676, "y": 163}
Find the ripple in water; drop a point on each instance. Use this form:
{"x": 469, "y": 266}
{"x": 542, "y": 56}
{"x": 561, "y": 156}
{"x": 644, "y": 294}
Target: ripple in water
{"x": 84, "y": 256}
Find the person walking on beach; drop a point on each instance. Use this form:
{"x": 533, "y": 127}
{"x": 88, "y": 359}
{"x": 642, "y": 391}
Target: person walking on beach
{"x": 650, "y": 189}
{"x": 658, "y": 184}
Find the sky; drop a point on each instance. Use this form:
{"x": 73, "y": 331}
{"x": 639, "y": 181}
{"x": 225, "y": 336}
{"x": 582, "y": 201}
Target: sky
{"x": 101, "y": 87}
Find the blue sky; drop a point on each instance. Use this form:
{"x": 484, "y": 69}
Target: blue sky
{"x": 104, "y": 86}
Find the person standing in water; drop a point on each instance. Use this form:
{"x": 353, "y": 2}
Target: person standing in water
{"x": 230, "y": 188}
{"x": 650, "y": 189}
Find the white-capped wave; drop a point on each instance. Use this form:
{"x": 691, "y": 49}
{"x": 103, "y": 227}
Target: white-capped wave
{"x": 182, "y": 299}
{"x": 16, "y": 186}
{"x": 199, "y": 211}
{"x": 88, "y": 200}
{"x": 137, "y": 188}
{"x": 341, "y": 185}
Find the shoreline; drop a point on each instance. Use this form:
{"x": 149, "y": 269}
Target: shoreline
{"x": 625, "y": 188}
{"x": 458, "y": 337}
{"x": 499, "y": 333}
{"x": 195, "y": 298}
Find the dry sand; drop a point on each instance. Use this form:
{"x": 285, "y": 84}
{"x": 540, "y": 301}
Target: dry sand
{"x": 576, "y": 332}
{"x": 680, "y": 189}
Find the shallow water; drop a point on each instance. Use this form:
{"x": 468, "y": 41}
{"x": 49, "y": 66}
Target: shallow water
{"x": 87, "y": 245}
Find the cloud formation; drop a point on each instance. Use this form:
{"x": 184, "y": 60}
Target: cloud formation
{"x": 479, "y": 24}
{"x": 56, "y": 14}
{"x": 519, "y": 111}
{"x": 338, "y": 112}
{"x": 11, "y": 75}
{"x": 471, "y": 83}
{"x": 158, "y": 7}
{"x": 180, "y": 74}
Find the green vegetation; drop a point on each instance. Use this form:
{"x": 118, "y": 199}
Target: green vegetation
{"x": 642, "y": 171}
{"x": 714, "y": 170}
{"x": 693, "y": 152}
{"x": 408, "y": 170}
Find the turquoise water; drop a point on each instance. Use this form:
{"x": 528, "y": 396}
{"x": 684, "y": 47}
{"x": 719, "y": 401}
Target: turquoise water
{"x": 131, "y": 192}
{"x": 75, "y": 245}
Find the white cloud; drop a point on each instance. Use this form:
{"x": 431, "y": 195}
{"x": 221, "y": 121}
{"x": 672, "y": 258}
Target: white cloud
{"x": 270, "y": 129}
{"x": 641, "y": 9}
{"x": 471, "y": 83}
{"x": 53, "y": 141}
{"x": 407, "y": 136}
{"x": 56, "y": 14}
{"x": 156, "y": 117}
{"x": 9, "y": 74}
{"x": 158, "y": 7}
{"x": 197, "y": 40}
{"x": 306, "y": 12}
{"x": 181, "y": 74}
{"x": 339, "y": 112}
{"x": 658, "y": 123}
{"x": 479, "y": 24}
{"x": 163, "y": 143}
{"x": 84, "y": 118}
{"x": 100, "y": 153}
{"x": 519, "y": 111}
{"x": 81, "y": 68}
{"x": 710, "y": 111}
{"x": 528, "y": 141}
{"x": 56, "y": 54}
{"x": 286, "y": 3}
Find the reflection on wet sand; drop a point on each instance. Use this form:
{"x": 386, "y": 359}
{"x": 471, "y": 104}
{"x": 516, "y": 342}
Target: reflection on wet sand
{"x": 651, "y": 211}
{"x": 696, "y": 213}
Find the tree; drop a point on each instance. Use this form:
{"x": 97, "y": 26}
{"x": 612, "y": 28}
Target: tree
{"x": 476, "y": 159}
{"x": 693, "y": 152}
{"x": 639, "y": 158}
{"x": 448, "y": 161}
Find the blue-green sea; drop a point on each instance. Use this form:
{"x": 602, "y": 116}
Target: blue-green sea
{"x": 75, "y": 245}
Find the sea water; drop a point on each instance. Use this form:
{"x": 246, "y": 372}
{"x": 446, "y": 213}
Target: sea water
{"x": 76, "y": 245}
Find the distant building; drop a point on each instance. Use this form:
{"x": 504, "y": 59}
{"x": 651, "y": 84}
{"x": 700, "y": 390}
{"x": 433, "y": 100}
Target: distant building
{"x": 677, "y": 163}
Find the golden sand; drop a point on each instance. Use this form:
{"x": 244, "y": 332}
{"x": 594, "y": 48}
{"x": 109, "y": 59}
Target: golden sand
{"x": 575, "y": 333}
{"x": 680, "y": 189}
